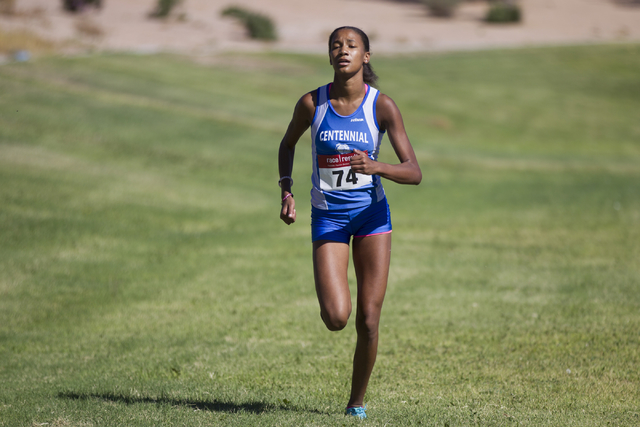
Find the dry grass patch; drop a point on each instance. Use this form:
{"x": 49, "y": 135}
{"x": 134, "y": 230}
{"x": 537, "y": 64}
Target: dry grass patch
{"x": 12, "y": 41}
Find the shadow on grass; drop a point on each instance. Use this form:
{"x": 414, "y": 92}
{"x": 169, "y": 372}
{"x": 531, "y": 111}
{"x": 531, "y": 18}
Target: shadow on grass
{"x": 215, "y": 406}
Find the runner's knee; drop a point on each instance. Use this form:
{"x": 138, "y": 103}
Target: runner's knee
{"x": 367, "y": 324}
{"x": 336, "y": 320}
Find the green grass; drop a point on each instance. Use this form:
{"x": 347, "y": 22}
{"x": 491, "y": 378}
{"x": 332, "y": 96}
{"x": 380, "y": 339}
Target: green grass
{"x": 146, "y": 279}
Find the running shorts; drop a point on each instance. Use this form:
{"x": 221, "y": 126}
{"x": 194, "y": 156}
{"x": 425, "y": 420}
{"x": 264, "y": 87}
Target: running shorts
{"x": 339, "y": 225}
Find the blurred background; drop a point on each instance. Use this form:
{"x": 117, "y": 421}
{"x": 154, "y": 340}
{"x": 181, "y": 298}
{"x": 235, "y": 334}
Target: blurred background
{"x": 199, "y": 27}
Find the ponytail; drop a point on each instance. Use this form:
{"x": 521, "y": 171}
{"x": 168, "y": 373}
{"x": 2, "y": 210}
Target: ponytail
{"x": 368, "y": 75}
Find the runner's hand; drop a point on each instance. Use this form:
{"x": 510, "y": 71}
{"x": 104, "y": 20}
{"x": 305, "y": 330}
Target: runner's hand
{"x": 288, "y": 211}
{"x": 361, "y": 163}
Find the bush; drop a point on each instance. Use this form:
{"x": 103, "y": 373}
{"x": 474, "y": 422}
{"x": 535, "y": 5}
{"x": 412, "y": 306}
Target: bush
{"x": 259, "y": 26}
{"x": 7, "y": 7}
{"x": 441, "y": 8}
{"x": 501, "y": 12}
{"x": 164, "y": 8}
{"x": 79, "y": 5}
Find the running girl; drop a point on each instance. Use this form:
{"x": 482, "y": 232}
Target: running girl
{"x": 348, "y": 119}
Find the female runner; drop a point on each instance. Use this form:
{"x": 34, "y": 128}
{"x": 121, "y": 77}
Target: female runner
{"x": 348, "y": 119}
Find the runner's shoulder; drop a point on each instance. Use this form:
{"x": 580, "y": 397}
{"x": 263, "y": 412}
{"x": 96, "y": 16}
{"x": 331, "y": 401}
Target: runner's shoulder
{"x": 308, "y": 100}
{"x": 306, "y": 106}
{"x": 385, "y": 102}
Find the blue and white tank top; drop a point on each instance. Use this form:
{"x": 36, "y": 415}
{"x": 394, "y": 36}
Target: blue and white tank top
{"x": 333, "y": 138}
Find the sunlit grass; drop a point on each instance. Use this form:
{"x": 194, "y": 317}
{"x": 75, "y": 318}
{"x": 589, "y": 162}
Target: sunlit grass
{"x": 145, "y": 278}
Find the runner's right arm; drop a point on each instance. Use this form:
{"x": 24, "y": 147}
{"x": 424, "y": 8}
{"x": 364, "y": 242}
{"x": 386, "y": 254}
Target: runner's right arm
{"x": 302, "y": 119}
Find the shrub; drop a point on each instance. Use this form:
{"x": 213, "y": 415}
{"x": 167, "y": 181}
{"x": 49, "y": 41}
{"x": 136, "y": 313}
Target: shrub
{"x": 79, "y": 5}
{"x": 7, "y": 7}
{"x": 259, "y": 26}
{"x": 441, "y": 8}
{"x": 164, "y": 8}
{"x": 503, "y": 12}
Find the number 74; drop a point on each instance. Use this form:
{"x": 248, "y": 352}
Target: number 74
{"x": 351, "y": 177}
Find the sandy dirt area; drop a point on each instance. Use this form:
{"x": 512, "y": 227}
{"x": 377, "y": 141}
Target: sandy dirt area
{"x": 197, "y": 27}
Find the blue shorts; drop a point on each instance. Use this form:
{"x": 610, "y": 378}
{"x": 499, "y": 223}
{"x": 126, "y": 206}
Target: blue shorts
{"x": 339, "y": 225}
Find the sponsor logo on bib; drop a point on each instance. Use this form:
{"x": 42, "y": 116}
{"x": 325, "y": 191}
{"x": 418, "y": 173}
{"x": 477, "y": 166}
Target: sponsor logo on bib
{"x": 342, "y": 148}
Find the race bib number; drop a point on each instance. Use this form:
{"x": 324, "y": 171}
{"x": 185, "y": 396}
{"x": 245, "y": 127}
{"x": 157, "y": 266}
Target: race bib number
{"x": 336, "y": 173}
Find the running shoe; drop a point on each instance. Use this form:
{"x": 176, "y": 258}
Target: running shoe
{"x": 356, "y": 411}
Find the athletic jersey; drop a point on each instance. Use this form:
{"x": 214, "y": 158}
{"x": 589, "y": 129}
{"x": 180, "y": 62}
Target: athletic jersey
{"x": 333, "y": 138}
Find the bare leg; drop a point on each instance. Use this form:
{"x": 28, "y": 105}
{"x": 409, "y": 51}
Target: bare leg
{"x": 371, "y": 257}
{"x": 330, "y": 263}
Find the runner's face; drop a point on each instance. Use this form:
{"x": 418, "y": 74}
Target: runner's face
{"x": 347, "y": 53}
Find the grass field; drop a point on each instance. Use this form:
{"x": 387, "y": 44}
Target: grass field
{"x": 146, "y": 279}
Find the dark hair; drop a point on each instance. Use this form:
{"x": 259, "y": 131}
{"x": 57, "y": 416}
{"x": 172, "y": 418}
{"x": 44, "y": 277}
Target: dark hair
{"x": 369, "y": 76}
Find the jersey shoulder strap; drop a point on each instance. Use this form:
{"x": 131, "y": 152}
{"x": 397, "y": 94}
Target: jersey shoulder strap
{"x": 322, "y": 97}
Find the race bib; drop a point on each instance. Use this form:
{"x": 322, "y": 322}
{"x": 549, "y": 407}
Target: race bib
{"x": 336, "y": 173}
